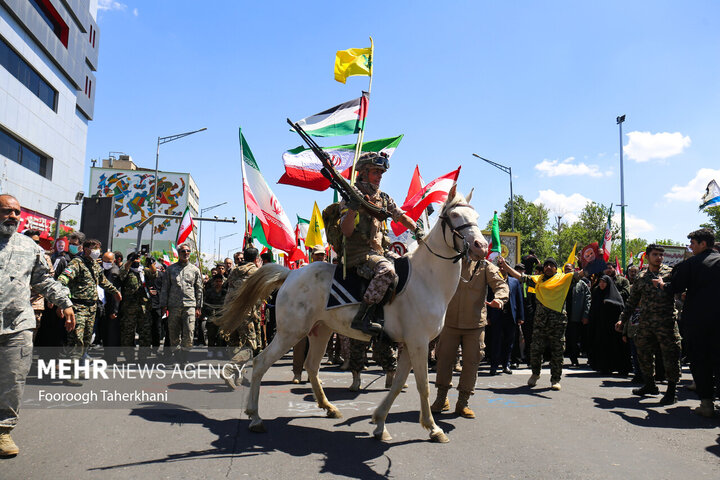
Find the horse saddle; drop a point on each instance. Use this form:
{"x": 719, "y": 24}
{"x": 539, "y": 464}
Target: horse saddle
{"x": 350, "y": 290}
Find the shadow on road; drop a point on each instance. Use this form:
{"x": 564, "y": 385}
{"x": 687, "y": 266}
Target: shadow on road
{"x": 680, "y": 417}
{"x": 520, "y": 390}
{"x": 350, "y": 454}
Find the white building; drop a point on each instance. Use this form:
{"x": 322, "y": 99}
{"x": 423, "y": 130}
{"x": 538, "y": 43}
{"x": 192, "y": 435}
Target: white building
{"x": 133, "y": 189}
{"x": 48, "y": 53}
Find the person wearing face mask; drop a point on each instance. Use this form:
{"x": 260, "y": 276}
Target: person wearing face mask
{"x": 110, "y": 328}
{"x": 83, "y": 275}
{"x": 134, "y": 310}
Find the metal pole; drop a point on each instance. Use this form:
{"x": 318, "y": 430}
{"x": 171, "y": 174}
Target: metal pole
{"x": 512, "y": 204}
{"x": 58, "y": 210}
{"x": 620, "y": 121}
{"x": 152, "y": 230}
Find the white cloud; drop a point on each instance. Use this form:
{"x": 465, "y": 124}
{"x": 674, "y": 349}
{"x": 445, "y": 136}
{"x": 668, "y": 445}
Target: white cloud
{"x": 645, "y": 146}
{"x": 558, "y": 204}
{"x": 111, "y": 5}
{"x": 634, "y": 226}
{"x": 135, "y": 12}
{"x": 555, "y": 168}
{"x": 695, "y": 188}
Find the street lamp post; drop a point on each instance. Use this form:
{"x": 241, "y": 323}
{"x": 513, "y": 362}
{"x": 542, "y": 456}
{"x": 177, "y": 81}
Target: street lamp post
{"x": 160, "y": 141}
{"x": 620, "y": 121}
{"x": 62, "y": 206}
{"x": 221, "y": 239}
{"x": 507, "y": 170}
{"x": 202, "y": 211}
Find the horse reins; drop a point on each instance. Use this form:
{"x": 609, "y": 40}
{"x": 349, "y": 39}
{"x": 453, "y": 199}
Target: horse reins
{"x": 445, "y": 222}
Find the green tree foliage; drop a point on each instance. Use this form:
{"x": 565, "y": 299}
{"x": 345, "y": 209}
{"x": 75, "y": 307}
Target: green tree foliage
{"x": 714, "y": 223}
{"x": 633, "y": 248}
{"x": 531, "y": 222}
{"x": 667, "y": 241}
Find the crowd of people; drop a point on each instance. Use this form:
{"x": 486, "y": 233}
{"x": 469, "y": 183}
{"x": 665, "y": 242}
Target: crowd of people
{"x": 138, "y": 309}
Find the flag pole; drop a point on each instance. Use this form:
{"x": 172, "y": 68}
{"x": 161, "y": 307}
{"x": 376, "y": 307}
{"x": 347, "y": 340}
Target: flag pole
{"x": 197, "y": 250}
{"x": 242, "y": 175}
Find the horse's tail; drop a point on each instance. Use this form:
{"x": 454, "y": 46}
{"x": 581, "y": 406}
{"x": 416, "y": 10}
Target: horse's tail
{"x": 257, "y": 287}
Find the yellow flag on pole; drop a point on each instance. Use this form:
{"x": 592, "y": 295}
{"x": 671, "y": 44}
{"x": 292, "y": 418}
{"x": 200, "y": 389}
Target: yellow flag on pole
{"x": 571, "y": 259}
{"x": 353, "y": 62}
{"x": 316, "y": 229}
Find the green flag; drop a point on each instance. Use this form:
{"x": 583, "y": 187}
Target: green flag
{"x": 495, "y": 235}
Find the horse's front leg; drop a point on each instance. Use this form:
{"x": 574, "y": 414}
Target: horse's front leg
{"x": 418, "y": 358}
{"x": 381, "y": 412}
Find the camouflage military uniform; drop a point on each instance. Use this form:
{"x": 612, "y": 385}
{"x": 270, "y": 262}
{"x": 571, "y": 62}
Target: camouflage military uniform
{"x": 548, "y": 329}
{"x": 134, "y": 310}
{"x": 245, "y": 335}
{"x": 384, "y": 354}
{"x": 365, "y": 248}
{"x": 22, "y": 266}
{"x": 83, "y": 275}
{"x": 657, "y": 325}
{"x": 182, "y": 294}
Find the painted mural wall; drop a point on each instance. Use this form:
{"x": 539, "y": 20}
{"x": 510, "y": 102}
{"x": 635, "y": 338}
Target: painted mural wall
{"x": 133, "y": 193}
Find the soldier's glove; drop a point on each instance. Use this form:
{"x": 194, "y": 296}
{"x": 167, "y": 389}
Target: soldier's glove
{"x": 418, "y": 233}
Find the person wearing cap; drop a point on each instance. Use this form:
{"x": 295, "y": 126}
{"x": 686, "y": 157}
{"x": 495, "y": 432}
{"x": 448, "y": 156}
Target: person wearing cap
{"x": 551, "y": 288}
{"x": 365, "y": 237}
{"x": 135, "y": 309}
{"x": 318, "y": 254}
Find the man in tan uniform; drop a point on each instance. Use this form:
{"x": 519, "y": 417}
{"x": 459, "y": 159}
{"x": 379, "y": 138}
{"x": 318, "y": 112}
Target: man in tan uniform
{"x": 465, "y": 323}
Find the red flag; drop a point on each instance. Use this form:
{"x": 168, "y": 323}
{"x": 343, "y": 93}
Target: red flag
{"x": 416, "y": 184}
{"x": 434, "y": 192}
{"x": 618, "y": 270}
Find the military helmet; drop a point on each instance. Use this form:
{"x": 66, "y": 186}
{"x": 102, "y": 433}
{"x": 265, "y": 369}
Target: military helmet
{"x": 373, "y": 160}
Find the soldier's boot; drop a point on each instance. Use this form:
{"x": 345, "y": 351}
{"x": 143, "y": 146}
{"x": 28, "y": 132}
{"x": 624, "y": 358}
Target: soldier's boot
{"x": 363, "y": 320}
{"x": 647, "y": 389}
{"x": 532, "y": 381}
{"x": 7, "y": 446}
{"x": 670, "y": 397}
{"x": 441, "y": 403}
{"x": 461, "y": 407}
{"x": 706, "y": 408}
{"x": 355, "y": 386}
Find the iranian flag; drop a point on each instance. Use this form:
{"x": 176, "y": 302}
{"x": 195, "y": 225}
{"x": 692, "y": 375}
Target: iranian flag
{"x": 186, "y": 226}
{"x": 301, "y": 229}
{"x": 261, "y": 201}
{"x": 345, "y": 119}
{"x": 434, "y": 192}
{"x": 302, "y": 167}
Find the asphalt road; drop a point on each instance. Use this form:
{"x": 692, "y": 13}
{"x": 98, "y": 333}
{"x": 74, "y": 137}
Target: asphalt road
{"x": 592, "y": 429}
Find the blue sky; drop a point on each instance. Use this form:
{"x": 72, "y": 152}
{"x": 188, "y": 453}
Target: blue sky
{"x": 533, "y": 86}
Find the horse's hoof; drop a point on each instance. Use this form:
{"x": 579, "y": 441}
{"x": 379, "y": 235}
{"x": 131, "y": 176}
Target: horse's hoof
{"x": 334, "y": 414}
{"x": 258, "y": 428}
{"x": 439, "y": 437}
{"x": 383, "y": 437}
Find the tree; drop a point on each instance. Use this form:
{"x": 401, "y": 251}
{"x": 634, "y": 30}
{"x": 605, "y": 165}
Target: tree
{"x": 714, "y": 223}
{"x": 667, "y": 241}
{"x": 530, "y": 222}
{"x": 633, "y": 248}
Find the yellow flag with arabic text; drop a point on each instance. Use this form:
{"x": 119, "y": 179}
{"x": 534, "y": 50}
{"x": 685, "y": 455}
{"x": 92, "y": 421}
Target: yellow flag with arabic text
{"x": 316, "y": 229}
{"x": 353, "y": 62}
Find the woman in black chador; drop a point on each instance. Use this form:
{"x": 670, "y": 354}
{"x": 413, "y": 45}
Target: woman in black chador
{"x": 608, "y": 352}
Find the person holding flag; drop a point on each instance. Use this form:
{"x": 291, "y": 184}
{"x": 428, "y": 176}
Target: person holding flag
{"x": 364, "y": 235}
{"x": 551, "y": 289}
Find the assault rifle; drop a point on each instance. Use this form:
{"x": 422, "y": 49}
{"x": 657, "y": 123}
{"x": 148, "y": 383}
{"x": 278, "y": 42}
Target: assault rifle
{"x": 337, "y": 181}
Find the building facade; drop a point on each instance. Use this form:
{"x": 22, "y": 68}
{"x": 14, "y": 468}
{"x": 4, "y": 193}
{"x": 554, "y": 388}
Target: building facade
{"x": 133, "y": 189}
{"x": 48, "y": 56}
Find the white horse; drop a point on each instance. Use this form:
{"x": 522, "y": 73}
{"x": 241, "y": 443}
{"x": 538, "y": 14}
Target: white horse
{"x": 415, "y": 317}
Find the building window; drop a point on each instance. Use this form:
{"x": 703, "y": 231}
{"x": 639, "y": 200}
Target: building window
{"x": 53, "y": 19}
{"x": 25, "y": 155}
{"x": 21, "y": 70}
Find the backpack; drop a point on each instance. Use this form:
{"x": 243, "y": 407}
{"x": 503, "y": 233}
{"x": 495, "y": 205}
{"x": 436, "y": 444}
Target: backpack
{"x": 331, "y": 218}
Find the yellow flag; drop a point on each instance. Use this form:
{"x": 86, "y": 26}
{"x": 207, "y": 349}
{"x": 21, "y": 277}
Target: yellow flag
{"x": 571, "y": 259}
{"x": 353, "y": 62}
{"x": 552, "y": 292}
{"x": 316, "y": 229}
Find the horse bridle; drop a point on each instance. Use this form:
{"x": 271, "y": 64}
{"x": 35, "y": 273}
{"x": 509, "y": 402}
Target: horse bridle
{"x": 446, "y": 223}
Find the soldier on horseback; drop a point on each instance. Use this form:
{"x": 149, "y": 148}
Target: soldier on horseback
{"x": 366, "y": 241}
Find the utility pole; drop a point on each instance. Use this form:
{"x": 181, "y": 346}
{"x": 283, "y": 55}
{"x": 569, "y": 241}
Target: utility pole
{"x": 620, "y": 121}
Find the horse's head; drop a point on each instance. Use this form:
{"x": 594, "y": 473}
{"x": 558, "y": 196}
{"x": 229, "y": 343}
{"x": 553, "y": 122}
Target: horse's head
{"x": 461, "y": 220}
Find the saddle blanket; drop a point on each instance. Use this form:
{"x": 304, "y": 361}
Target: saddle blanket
{"x": 350, "y": 290}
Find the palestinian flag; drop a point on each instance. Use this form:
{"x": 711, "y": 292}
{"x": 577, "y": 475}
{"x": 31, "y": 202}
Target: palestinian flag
{"x": 434, "y": 192}
{"x": 345, "y": 119}
{"x": 186, "y": 226}
{"x": 302, "y": 167}
{"x": 263, "y": 203}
